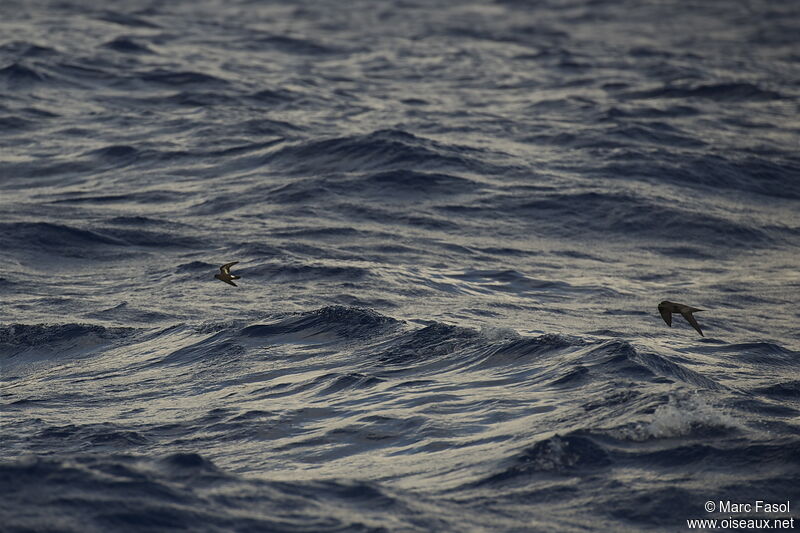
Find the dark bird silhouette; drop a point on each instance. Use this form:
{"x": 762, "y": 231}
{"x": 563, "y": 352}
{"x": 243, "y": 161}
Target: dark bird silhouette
{"x": 225, "y": 274}
{"x": 667, "y": 308}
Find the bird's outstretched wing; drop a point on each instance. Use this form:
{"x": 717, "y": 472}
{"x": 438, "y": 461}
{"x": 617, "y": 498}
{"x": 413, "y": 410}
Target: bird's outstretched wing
{"x": 666, "y": 315}
{"x": 690, "y": 319}
{"x": 229, "y": 282}
{"x": 226, "y": 268}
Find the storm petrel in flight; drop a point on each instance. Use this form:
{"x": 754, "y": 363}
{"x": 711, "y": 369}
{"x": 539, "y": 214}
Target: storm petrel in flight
{"x": 667, "y": 308}
{"x": 225, "y": 274}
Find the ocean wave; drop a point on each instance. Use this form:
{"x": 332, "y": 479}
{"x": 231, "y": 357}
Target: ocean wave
{"x": 17, "y": 75}
{"x": 81, "y": 242}
{"x": 508, "y": 352}
{"x": 666, "y": 368}
{"x": 381, "y": 150}
{"x": 25, "y": 49}
{"x": 125, "y": 19}
{"x": 355, "y": 357}
{"x": 290, "y": 45}
{"x": 173, "y": 78}
{"x": 32, "y": 335}
{"x": 435, "y": 341}
{"x": 788, "y": 389}
{"x": 512, "y": 281}
{"x": 406, "y": 183}
{"x": 116, "y": 152}
{"x": 282, "y": 272}
{"x": 30, "y": 349}
{"x": 127, "y": 45}
{"x": 556, "y": 454}
{"x": 717, "y": 91}
{"x": 48, "y": 236}
{"x": 153, "y": 196}
{"x": 104, "y": 435}
{"x": 185, "y": 491}
{"x": 11, "y": 123}
{"x": 346, "y": 322}
{"x": 371, "y": 213}
{"x": 629, "y": 216}
{"x": 749, "y": 173}
{"x": 216, "y": 349}
{"x": 682, "y": 415}
{"x": 276, "y": 97}
{"x": 756, "y": 353}
{"x": 124, "y": 313}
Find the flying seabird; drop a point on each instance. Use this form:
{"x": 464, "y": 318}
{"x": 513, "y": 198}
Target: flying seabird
{"x": 225, "y": 274}
{"x": 667, "y": 308}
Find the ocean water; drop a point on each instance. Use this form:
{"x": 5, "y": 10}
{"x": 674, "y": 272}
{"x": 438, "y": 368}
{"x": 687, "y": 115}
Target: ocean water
{"x": 454, "y": 221}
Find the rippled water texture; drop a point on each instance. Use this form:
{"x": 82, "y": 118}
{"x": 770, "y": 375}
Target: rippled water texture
{"x": 454, "y": 221}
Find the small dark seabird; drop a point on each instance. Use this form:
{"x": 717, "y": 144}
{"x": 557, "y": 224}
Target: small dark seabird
{"x": 225, "y": 274}
{"x": 667, "y": 308}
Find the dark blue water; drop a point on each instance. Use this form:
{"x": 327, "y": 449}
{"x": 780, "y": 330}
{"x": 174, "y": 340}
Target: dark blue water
{"x": 454, "y": 221}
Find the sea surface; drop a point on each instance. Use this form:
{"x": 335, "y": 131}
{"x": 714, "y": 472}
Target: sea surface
{"x": 453, "y": 221}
